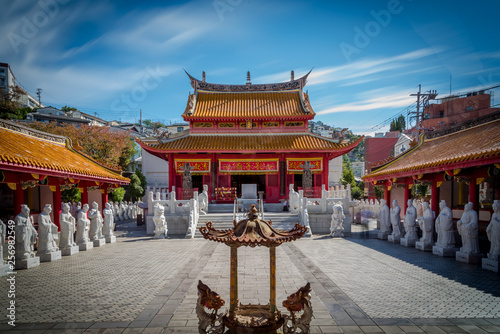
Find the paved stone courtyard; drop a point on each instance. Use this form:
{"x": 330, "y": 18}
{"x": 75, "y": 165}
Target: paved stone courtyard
{"x": 360, "y": 285}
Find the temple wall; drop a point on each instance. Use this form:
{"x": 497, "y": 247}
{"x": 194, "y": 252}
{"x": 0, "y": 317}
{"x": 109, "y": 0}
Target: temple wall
{"x": 46, "y": 197}
{"x": 95, "y": 196}
{"x": 154, "y": 169}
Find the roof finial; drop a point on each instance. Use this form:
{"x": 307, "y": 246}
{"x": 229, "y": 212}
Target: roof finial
{"x": 203, "y": 76}
{"x": 292, "y": 76}
{"x": 248, "y": 78}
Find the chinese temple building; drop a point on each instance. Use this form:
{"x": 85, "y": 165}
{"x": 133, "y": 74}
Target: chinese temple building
{"x": 459, "y": 165}
{"x": 247, "y": 134}
{"x": 36, "y": 166}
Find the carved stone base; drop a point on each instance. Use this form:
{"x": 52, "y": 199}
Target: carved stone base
{"x": 70, "y": 250}
{"x": 4, "y": 269}
{"x": 423, "y": 246}
{"x": 383, "y": 235}
{"x": 111, "y": 239}
{"x": 490, "y": 264}
{"x": 468, "y": 258}
{"x": 407, "y": 242}
{"x": 53, "y": 256}
{"x": 28, "y": 263}
{"x": 86, "y": 246}
{"x": 494, "y": 257}
{"x": 99, "y": 242}
{"x": 444, "y": 252}
{"x": 394, "y": 239}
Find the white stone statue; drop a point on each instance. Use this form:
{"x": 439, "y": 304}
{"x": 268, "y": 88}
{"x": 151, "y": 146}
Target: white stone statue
{"x": 426, "y": 223}
{"x": 293, "y": 198}
{"x": 493, "y": 232}
{"x": 160, "y": 230}
{"x": 129, "y": 210}
{"x": 68, "y": 228}
{"x": 134, "y": 210}
{"x": 410, "y": 221}
{"x": 83, "y": 226}
{"x": 337, "y": 224}
{"x": 47, "y": 232}
{"x": 96, "y": 220}
{"x": 384, "y": 219}
{"x": 121, "y": 211}
{"x": 468, "y": 228}
{"x": 203, "y": 200}
{"x": 108, "y": 227}
{"x": 396, "y": 220}
{"x": 3, "y": 235}
{"x": 116, "y": 211}
{"x": 444, "y": 227}
{"x": 26, "y": 234}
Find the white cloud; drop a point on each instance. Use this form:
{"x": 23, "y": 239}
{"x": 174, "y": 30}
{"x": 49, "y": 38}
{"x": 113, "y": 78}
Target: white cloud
{"x": 373, "y": 100}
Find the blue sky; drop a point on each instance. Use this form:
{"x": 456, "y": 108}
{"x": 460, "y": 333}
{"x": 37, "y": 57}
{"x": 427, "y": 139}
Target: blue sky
{"x": 114, "y": 58}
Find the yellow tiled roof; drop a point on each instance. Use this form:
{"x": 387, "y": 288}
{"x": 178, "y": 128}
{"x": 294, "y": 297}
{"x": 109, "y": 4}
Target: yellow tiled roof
{"x": 217, "y": 105}
{"x": 480, "y": 142}
{"x": 28, "y": 151}
{"x": 250, "y": 143}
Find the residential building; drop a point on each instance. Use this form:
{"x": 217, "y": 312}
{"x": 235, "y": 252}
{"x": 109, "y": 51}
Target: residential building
{"x": 376, "y": 150}
{"x": 8, "y": 80}
{"x": 456, "y": 109}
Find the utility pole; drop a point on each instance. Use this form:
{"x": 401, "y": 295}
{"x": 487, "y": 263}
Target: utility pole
{"x": 418, "y": 108}
{"x": 430, "y": 95}
{"x": 39, "y": 93}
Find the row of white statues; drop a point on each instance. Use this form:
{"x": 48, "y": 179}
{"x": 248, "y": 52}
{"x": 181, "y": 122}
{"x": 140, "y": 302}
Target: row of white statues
{"x": 121, "y": 210}
{"x": 91, "y": 227}
{"x": 468, "y": 229}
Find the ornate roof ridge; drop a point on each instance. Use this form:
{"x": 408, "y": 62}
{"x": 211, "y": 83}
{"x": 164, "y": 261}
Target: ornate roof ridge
{"x": 281, "y": 86}
{"x": 14, "y": 126}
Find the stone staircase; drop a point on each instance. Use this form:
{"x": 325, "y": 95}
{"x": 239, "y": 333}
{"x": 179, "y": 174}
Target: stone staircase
{"x": 224, "y": 220}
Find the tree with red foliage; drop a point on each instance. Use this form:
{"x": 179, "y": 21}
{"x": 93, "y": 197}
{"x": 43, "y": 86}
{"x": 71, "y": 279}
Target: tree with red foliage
{"x": 114, "y": 149}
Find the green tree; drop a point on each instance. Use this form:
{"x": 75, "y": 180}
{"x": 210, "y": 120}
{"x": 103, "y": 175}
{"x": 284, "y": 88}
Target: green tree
{"x": 71, "y": 195}
{"x": 147, "y": 122}
{"x": 419, "y": 191}
{"x": 10, "y": 108}
{"x": 118, "y": 194}
{"x": 141, "y": 177}
{"x": 398, "y": 124}
{"x": 157, "y": 125}
{"x": 378, "y": 192}
{"x": 135, "y": 189}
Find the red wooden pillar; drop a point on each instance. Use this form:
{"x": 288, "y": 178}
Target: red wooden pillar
{"x": 56, "y": 195}
{"x": 325, "y": 172}
{"x": 434, "y": 197}
{"x": 171, "y": 172}
{"x": 406, "y": 195}
{"x": 104, "y": 196}
{"x": 85, "y": 193}
{"x": 473, "y": 192}
{"x": 387, "y": 192}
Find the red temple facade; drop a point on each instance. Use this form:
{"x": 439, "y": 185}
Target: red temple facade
{"x": 459, "y": 165}
{"x": 36, "y": 166}
{"x": 247, "y": 134}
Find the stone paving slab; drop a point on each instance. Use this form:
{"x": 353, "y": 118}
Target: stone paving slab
{"x": 360, "y": 285}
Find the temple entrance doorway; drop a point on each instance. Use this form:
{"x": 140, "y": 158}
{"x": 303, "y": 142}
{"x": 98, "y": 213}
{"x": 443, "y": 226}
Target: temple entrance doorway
{"x": 238, "y": 180}
{"x": 198, "y": 182}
